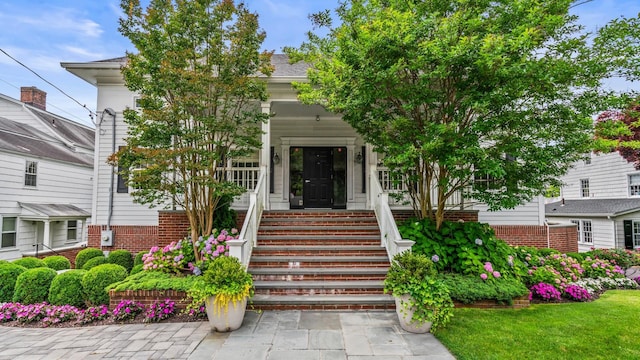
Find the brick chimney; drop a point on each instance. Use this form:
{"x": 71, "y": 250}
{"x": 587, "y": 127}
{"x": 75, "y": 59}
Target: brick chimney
{"x": 33, "y": 96}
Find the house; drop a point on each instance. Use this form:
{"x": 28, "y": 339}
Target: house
{"x": 601, "y": 195}
{"x": 46, "y": 169}
{"x": 302, "y": 145}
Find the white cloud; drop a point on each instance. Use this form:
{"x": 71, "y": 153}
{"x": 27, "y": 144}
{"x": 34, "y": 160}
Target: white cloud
{"x": 61, "y": 20}
{"x": 83, "y": 52}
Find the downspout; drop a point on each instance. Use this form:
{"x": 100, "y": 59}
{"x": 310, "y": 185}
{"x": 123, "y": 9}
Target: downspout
{"x": 112, "y": 113}
{"x": 546, "y": 223}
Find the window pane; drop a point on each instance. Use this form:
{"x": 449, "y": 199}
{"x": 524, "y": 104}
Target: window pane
{"x": 587, "y": 235}
{"x": 8, "y": 224}
{"x": 634, "y": 184}
{"x": 584, "y": 187}
{"x": 636, "y": 233}
{"x": 8, "y": 240}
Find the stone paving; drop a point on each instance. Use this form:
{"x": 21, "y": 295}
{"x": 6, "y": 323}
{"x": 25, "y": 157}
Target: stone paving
{"x": 270, "y": 335}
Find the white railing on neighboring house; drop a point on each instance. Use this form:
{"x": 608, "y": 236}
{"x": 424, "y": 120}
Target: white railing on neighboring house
{"x": 390, "y": 184}
{"x": 247, "y": 240}
{"x": 390, "y": 237}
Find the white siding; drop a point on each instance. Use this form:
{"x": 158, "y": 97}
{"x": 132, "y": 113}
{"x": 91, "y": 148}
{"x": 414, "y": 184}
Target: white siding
{"x": 619, "y": 227}
{"x": 125, "y": 211}
{"x": 608, "y": 176}
{"x": 531, "y": 213}
{"x": 57, "y": 183}
{"x": 602, "y": 231}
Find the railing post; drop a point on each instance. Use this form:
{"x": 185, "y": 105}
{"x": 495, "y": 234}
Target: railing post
{"x": 235, "y": 249}
{"x": 403, "y": 245}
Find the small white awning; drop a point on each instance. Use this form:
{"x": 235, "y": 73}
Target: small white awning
{"x": 31, "y": 211}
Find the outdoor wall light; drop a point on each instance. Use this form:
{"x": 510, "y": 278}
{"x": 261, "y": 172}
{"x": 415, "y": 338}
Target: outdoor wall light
{"x": 358, "y": 158}
{"x": 317, "y": 117}
{"x": 276, "y": 158}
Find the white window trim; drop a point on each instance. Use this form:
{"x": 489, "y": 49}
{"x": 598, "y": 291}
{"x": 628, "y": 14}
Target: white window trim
{"x": 582, "y": 188}
{"x": 70, "y": 240}
{"x": 581, "y": 231}
{"x": 2, "y": 232}
{"x": 636, "y": 242}
{"x": 629, "y": 185}
{"x": 26, "y": 168}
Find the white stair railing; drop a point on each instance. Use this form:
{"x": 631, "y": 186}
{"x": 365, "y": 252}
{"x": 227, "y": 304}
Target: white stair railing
{"x": 243, "y": 246}
{"x": 390, "y": 237}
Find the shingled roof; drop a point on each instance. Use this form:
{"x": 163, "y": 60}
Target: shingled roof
{"x": 26, "y": 140}
{"x": 593, "y": 207}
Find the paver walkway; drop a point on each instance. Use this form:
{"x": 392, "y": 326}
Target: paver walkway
{"x": 271, "y": 335}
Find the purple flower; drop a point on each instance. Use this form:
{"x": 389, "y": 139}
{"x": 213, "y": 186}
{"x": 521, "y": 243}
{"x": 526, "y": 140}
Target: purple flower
{"x": 488, "y": 267}
{"x": 435, "y": 258}
{"x": 478, "y": 241}
{"x": 496, "y": 274}
{"x": 483, "y": 276}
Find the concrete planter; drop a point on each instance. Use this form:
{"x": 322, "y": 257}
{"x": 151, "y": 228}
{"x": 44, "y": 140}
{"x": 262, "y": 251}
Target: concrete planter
{"x": 405, "y": 314}
{"x": 226, "y": 320}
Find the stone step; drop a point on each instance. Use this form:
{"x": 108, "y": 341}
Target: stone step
{"x": 323, "y": 302}
{"x": 318, "y": 250}
{"x": 320, "y": 261}
{"x": 318, "y": 213}
{"x": 318, "y": 274}
{"x": 319, "y": 287}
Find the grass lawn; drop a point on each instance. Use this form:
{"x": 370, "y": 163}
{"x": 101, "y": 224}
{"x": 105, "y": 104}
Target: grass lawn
{"x": 608, "y": 328}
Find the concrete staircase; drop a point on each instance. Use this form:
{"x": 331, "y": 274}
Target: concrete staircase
{"x": 319, "y": 260}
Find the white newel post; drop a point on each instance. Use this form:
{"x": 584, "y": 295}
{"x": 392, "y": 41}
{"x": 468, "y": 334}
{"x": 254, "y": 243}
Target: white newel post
{"x": 403, "y": 245}
{"x": 235, "y": 248}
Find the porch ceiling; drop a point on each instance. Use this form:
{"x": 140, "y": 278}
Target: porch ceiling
{"x": 288, "y": 109}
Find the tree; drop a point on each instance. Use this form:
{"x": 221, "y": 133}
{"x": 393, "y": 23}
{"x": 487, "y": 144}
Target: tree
{"x": 196, "y": 71}
{"x": 620, "y": 131}
{"x": 451, "y": 91}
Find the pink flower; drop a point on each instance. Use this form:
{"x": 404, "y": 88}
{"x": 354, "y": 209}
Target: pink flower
{"x": 488, "y": 267}
{"x": 483, "y": 276}
{"x": 496, "y": 274}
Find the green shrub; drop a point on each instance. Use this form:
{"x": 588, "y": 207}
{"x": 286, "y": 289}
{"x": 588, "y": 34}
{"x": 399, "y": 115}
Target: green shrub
{"x": 121, "y": 257}
{"x": 621, "y": 257}
{"x": 32, "y": 286}
{"x": 138, "y": 258}
{"x": 66, "y": 289}
{"x": 462, "y": 248}
{"x": 547, "y": 251}
{"x": 136, "y": 269}
{"x": 96, "y": 280}
{"x": 93, "y": 262}
{"x": 85, "y": 254}
{"x": 224, "y": 217}
{"x": 154, "y": 280}
{"x": 468, "y": 289}
{"x": 30, "y": 262}
{"x": 57, "y": 262}
{"x": 578, "y": 256}
{"x": 8, "y": 274}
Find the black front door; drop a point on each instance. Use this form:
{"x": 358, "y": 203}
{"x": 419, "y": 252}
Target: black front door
{"x": 317, "y": 175}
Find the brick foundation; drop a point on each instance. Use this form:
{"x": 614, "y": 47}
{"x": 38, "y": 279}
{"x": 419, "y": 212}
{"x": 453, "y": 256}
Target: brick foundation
{"x": 148, "y": 297}
{"x": 457, "y": 215}
{"x": 563, "y": 238}
{"x": 173, "y": 226}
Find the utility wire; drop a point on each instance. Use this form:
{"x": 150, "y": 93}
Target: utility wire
{"x": 91, "y": 113}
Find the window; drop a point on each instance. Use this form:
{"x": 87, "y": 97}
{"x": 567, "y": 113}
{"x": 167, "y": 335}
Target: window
{"x": 634, "y": 185}
{"x": 72, "y": 230}
{"x": 584, "y": 187}
{"x": 587, "y": 160}
{"x": 8, "y": 232}
{"x": 585, "y": 231}
{"x": 30, "y": 173}
{"x": 636, "y": 234}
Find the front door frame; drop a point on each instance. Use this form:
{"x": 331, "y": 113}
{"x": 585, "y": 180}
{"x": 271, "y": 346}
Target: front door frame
{"x": 329, "y": 142}
{"x": 317, "y": 180}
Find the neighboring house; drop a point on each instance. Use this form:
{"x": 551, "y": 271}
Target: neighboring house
{"x": 46, "y": 169}
{"x": 304, "y": 148}
{"x": 601, "y": 195}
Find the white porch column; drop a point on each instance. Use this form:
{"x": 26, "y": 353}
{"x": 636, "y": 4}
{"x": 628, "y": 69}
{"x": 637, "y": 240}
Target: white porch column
{"x": 46, "y": 237}
{"x": 370, "y": 163}
{"x": 265, "y": 154}
{"x": 350, "y": 174}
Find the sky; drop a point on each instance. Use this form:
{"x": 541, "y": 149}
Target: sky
{"x": 43, "y": 33}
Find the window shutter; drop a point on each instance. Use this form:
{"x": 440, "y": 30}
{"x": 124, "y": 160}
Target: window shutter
{"x": 628, "y": 234}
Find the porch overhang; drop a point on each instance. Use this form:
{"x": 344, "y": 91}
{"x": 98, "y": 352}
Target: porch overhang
{"x": 51, "y": 212}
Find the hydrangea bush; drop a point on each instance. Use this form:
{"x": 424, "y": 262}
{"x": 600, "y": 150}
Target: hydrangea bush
{"x": 545, "y": 292}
